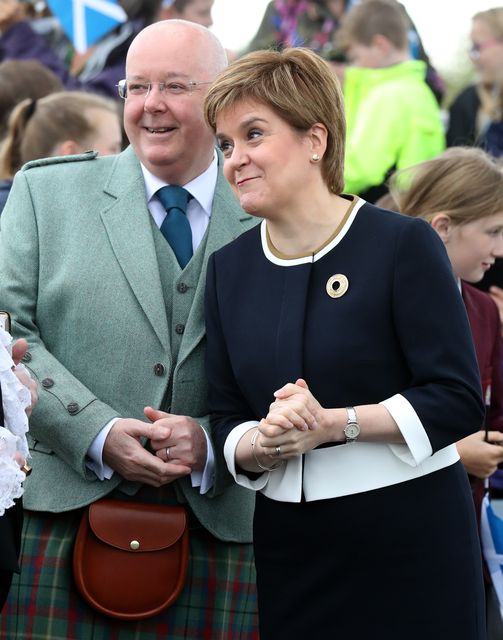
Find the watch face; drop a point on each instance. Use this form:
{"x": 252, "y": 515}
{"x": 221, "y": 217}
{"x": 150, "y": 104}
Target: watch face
{"x": 352, "y": 430}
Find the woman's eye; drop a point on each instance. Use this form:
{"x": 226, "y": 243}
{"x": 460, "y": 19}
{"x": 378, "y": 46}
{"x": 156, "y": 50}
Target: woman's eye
{"x": 225, "y": 146}
{"x": 254, "y": 133}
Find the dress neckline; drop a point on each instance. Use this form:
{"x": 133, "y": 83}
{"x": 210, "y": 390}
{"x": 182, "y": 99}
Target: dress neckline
{"x": 281, "y": 259}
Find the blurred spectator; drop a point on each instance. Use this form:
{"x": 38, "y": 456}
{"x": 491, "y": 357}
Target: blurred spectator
{"x": 98, "y": 69}
{"x": 60, "y": 124}
{"x": 475, "y": 117}
{"x": 20, "y": 79}
{"x": 18, "y": 395}
{"x": 300, "y": 23}
{"x": 391, "y": 112}
{"x": 314, "y": 24}
{"x": 469, "y": 220}
{"x": 198, "y": 11}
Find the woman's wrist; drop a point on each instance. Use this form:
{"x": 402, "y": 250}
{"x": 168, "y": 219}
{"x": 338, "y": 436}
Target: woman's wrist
{"x": 332, "y": 423}
{"x": 256, "y": 455}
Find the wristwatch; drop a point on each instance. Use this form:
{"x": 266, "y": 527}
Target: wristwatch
{"x": 352, "y": 428}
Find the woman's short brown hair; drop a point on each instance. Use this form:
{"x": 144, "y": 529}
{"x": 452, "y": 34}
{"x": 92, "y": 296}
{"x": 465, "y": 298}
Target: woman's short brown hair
{"x": 296, "y": 84}
{"x": 464, "y": 183}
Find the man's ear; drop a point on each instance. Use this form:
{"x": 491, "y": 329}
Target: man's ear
{"x": 442, "y": 224}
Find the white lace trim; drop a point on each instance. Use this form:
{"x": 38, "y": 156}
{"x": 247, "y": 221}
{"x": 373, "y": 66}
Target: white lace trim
{"x": 15, "y": 399}
{"x": 11, "y": 476}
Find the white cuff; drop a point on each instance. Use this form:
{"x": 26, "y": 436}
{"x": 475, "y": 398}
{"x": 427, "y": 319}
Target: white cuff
{"x": 417, "y": 447}
{"x": 94, "y": 460}
{"x": 206, "y": 477}
{"x": 230, "y": 446}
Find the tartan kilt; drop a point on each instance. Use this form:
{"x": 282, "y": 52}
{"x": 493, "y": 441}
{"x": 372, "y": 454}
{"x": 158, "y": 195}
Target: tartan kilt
{"x": 217, "y": 603}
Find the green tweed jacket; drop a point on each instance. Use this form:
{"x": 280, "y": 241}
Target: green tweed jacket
{"x": 79, "y": 273}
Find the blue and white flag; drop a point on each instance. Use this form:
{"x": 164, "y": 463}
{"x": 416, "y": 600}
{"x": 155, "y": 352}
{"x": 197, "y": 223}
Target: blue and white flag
{"x": 491, "y": 533}
{"x": 86, "y": 21}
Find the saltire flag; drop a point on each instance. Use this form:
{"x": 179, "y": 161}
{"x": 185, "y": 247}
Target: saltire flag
{"x": 491, "y": 533}
{"x": 86, "y": 21}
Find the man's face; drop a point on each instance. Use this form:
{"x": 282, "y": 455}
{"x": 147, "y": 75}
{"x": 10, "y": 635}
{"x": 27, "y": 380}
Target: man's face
{"x": 167, "y": 130}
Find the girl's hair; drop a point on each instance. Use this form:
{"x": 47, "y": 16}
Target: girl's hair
{"x": 464, "y": 183}
{"x": 493, "y": 19}
{"x": 22, "y": 79}
{"x": 37, "y": 126}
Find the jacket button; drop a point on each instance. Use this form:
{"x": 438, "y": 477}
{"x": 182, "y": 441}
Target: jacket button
{"x": 159, "y": 369}
{"x": 72, "y": 408}
{"x": 181, "y": 287}
{"x": 27, "y": 357}
{"x": 180, "y": 328}
{"x": 47, "y": 383}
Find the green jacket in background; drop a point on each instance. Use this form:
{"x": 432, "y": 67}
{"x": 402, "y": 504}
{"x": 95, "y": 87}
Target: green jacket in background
{"x": 393, "y": 122}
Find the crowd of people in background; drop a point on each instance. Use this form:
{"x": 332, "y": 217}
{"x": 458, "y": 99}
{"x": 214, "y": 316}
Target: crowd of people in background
{"x": 148, "y": 138}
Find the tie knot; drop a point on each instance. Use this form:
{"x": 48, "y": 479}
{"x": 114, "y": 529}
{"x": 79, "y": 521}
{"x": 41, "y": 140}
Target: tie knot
{"x": 173, "y": 196}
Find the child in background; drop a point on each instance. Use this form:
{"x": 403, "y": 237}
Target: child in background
{"x": 61, "y": 124}
{"x": 460, "y": 194}
{"x": 391, "y": 112}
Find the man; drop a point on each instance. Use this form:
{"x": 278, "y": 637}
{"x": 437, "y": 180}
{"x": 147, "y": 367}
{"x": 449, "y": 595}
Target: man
{"x": 115, "y": 323}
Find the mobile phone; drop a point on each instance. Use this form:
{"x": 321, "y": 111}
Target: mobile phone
{"x": 5, "y": 321}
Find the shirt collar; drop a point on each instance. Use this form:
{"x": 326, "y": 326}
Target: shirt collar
{"x": 201, "y": 188}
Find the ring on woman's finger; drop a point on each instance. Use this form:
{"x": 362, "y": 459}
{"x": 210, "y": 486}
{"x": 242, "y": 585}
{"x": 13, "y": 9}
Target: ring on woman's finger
{"x": 167, "y": 453}
{"x": 278, "y": 450}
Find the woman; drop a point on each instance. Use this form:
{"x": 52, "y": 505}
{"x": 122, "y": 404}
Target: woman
{"x": 59, "y": 124}
{"x": 469, "y": 222}
{"x": 337, "y": 388}
{"x": 476, "y": 115}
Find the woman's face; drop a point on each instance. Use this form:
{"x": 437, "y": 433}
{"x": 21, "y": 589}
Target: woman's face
{"x": 486, "y": 52}
{"x": 473, "y": 247}
{"x": 265, "y": 159}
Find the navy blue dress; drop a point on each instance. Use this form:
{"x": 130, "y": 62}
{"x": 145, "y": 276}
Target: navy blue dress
{"x": 399, "y": 561}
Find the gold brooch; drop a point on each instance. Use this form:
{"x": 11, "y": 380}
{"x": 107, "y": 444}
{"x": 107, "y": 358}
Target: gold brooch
{"x": 337, "y": 285}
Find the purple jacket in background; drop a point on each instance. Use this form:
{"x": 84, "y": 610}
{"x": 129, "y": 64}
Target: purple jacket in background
{"x": 22, "y": 42}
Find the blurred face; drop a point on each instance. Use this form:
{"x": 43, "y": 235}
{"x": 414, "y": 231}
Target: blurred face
{"x": 362, "y": 55}
{"x": 168, "y": 131}
{"x": 107, "y": 136}
{"x": 198, "y": 11}
{"x": 486, "y": 53}
{"x": 473, "y": 247}
{"x": 265, "y": 159}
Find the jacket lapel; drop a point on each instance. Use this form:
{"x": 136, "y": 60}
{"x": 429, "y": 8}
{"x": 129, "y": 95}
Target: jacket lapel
{"x": 228, "y": 221}
{"x": 127, "y": 222}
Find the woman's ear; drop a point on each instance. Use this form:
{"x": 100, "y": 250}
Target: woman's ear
{"x": 317, "y": 136}
{"x": 442, "y": 224}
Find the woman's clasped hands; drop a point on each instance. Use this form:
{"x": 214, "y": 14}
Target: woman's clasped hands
{"x": 296, "y": 422}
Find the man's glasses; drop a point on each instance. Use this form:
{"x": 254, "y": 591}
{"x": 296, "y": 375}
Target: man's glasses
{"x": 130, "y": 88}
{"x": 477, "y": 49}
